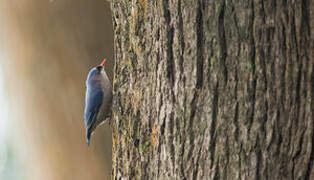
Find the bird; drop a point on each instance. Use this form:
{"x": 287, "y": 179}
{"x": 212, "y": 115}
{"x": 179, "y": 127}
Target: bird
{"x": 98, "y": 99}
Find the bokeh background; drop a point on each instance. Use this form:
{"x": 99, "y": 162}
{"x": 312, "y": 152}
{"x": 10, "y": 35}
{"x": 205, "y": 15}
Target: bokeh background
{"x": 47, "y": 48}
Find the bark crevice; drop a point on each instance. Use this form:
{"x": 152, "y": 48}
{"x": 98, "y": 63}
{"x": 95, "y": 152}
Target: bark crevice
{"x": 222, "y": 41}
{"x": 200, "y": 47}
{"x": 212, "y": 145}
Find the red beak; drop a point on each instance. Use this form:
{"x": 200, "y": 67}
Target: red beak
{"x": 103, "y": 63}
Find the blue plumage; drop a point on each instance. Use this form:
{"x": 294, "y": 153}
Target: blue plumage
{"x": 94, "y": 98}
{"x": 97, "y": 100}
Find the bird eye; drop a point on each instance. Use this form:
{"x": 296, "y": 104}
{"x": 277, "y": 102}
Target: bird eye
{"x": 99, "y": 68}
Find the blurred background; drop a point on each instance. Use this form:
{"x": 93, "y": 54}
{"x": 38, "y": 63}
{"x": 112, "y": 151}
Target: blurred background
{"x": 47, "y": 48}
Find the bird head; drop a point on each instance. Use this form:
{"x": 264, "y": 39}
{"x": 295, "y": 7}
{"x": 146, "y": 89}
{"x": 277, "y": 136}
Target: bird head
{"x": 94, "y": 75}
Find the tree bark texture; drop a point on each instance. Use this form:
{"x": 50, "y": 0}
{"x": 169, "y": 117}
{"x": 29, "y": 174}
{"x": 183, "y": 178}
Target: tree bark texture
{"x": 213, "y": 89}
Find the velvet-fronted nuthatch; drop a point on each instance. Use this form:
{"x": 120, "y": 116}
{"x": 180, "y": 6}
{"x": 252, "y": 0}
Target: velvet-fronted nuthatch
{"x": 98, "y": 99}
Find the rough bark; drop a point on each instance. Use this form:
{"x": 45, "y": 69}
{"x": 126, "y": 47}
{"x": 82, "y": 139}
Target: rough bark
{"x": 213, "y": 89}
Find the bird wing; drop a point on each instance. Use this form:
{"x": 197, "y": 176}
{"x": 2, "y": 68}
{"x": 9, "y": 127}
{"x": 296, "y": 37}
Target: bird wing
{"x": 94, "y": 100}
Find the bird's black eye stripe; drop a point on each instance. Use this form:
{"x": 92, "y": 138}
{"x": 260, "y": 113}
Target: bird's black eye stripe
{"x": 99, "y": 68}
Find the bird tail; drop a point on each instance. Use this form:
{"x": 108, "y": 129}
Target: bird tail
{"x": 88, "y": 133}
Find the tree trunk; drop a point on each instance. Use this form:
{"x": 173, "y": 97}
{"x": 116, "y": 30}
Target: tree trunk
{"x": 213, "y": 89}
